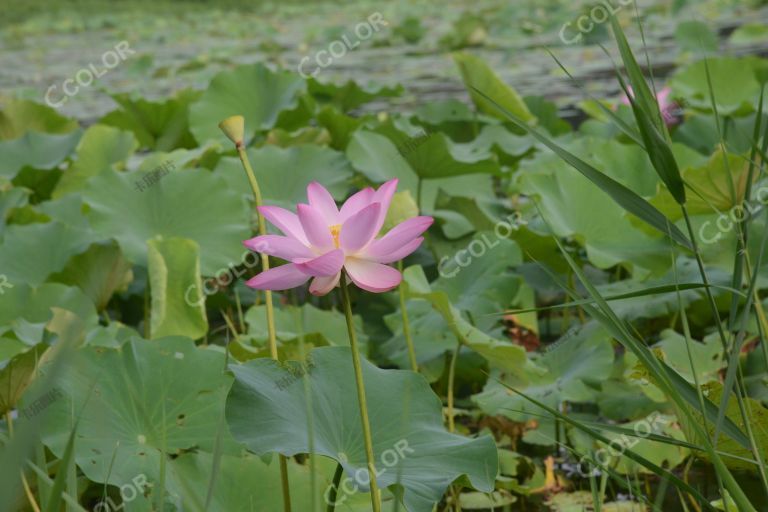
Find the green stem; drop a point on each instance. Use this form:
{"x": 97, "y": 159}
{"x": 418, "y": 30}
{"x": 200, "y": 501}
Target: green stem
{"x": 406, "y": 324}
{"x": 375, "y": 498}
{"x": 334, "y": 489}
{"x": 268, "y": 300}
{"x": 451, "y": 379}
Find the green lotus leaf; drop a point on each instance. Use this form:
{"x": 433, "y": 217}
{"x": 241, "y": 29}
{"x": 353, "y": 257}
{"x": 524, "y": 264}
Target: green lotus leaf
{"x": 498, "y": 353}
{"x": 253, "y": 91}
{"x": 379, "y": 160}
{"x": 18, "y": 116}
{"x": 668, "y": 455}
{"x": 293, "y": 322}
{"x": 758, "y": 414}
{"x": 174, "y": 271}
{"x": 139, "y": 404}
{"x": 705, "y": 356}
{"x": 245, "y": 483}
{"x": 712, "y": 183}
{"x": 339, "y": 125}
{"x": 412, "y": 450}
{"x": 696, "y": 37}
{"x": 286, "y": 189}
{"x": 32, "y": 252}
{"x": 51, "y": 306}
{"x": 434, "y": 155}
{"x": 477, "y": 75}
{"x": 99, "y": 272}
{"x": 734, "y": 84}
{"x": 99, "y": 149}
{"x": 161, "y": 126}
{"x": 584, "y": 356}
{"x": 193, "y": 204}
{"x": 350, "y": 95}
{"x": 36, "y": 150}
{"x": 479, "y": 290}
{"x": 605, "y": 229}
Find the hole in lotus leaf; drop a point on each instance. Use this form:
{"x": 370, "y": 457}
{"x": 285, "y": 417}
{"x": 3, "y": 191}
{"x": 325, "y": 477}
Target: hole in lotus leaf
{"x": 180, "y": 419}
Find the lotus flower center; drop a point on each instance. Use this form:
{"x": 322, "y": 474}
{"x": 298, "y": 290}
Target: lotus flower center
{"x": 335, "y": 230}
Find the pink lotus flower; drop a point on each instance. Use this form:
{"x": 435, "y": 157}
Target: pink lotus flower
{"x": 668, "y": 107}
{"x": 322, "y": 240}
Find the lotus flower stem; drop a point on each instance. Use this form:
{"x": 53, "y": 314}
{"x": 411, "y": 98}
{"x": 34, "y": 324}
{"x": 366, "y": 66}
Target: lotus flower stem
{"x": 234, "y": 128}
{"x": 407, "y": 325}
{"x": 375, "y": 499}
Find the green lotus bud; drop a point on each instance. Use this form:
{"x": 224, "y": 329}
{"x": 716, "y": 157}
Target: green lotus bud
{"x": 234, "y": 128}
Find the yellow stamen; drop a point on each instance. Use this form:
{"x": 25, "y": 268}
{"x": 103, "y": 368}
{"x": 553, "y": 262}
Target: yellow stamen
{"x": 335, "y": 230}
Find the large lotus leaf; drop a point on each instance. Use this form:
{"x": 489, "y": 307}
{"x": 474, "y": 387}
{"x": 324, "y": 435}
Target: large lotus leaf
{"x": 501, "y": 354}
{"x": 180, "y": 158}
{"x": 503, "y": 141}
{"x": 194, "y": 204}
{"x": 604, "y": 228}
{"x": 269, "y": 417}
{"x": 485, "y": 285}
{"x": 434, "y": 155}
{"x": 758, "y": 415}
{"x": 161, "y": 126}
{"x": 620, "y": 400}
{"x": 174, "y": 271}
{"x": 430, "y": 333}
{"x": 735, "y": 85}
{"x": 378, "y": 159}
{"x": 292, "y": 322}
{"x": 99, "y": 272}
{"x": 476, "y": 74}
{"x": 351, "y": 94}
{"x": 30, "y": 253}
{"x": 548, "y": 115}
{"x": 17, "y": 116}
{"x": 307, "y": 135}
{"x": 662, "y": 304}
{"x": 719, "y": 184}
{"x": 52, "y": 307}
{"x": 481, "y": 289}
{"x": 586, "y": 356}
{"x": 283, "y": 174}
{"x": 246, "y": 483}
{"x": 706, "y": 355}
{"x": 137, "y": 404}
{"x": 98, "y": 150}
{"x": 339, "y": 125}
{"x": 696, "y": 36}
{"x": 718, "y": 238}
{"x": 662, "y": 454}
{"x": 36, "y": 150}
{"x": 253, "y": 91}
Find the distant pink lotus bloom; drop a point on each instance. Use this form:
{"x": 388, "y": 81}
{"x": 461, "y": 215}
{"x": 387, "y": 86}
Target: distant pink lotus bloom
{"x": 322, "y": 240}
{"x": 667, "y": 106}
